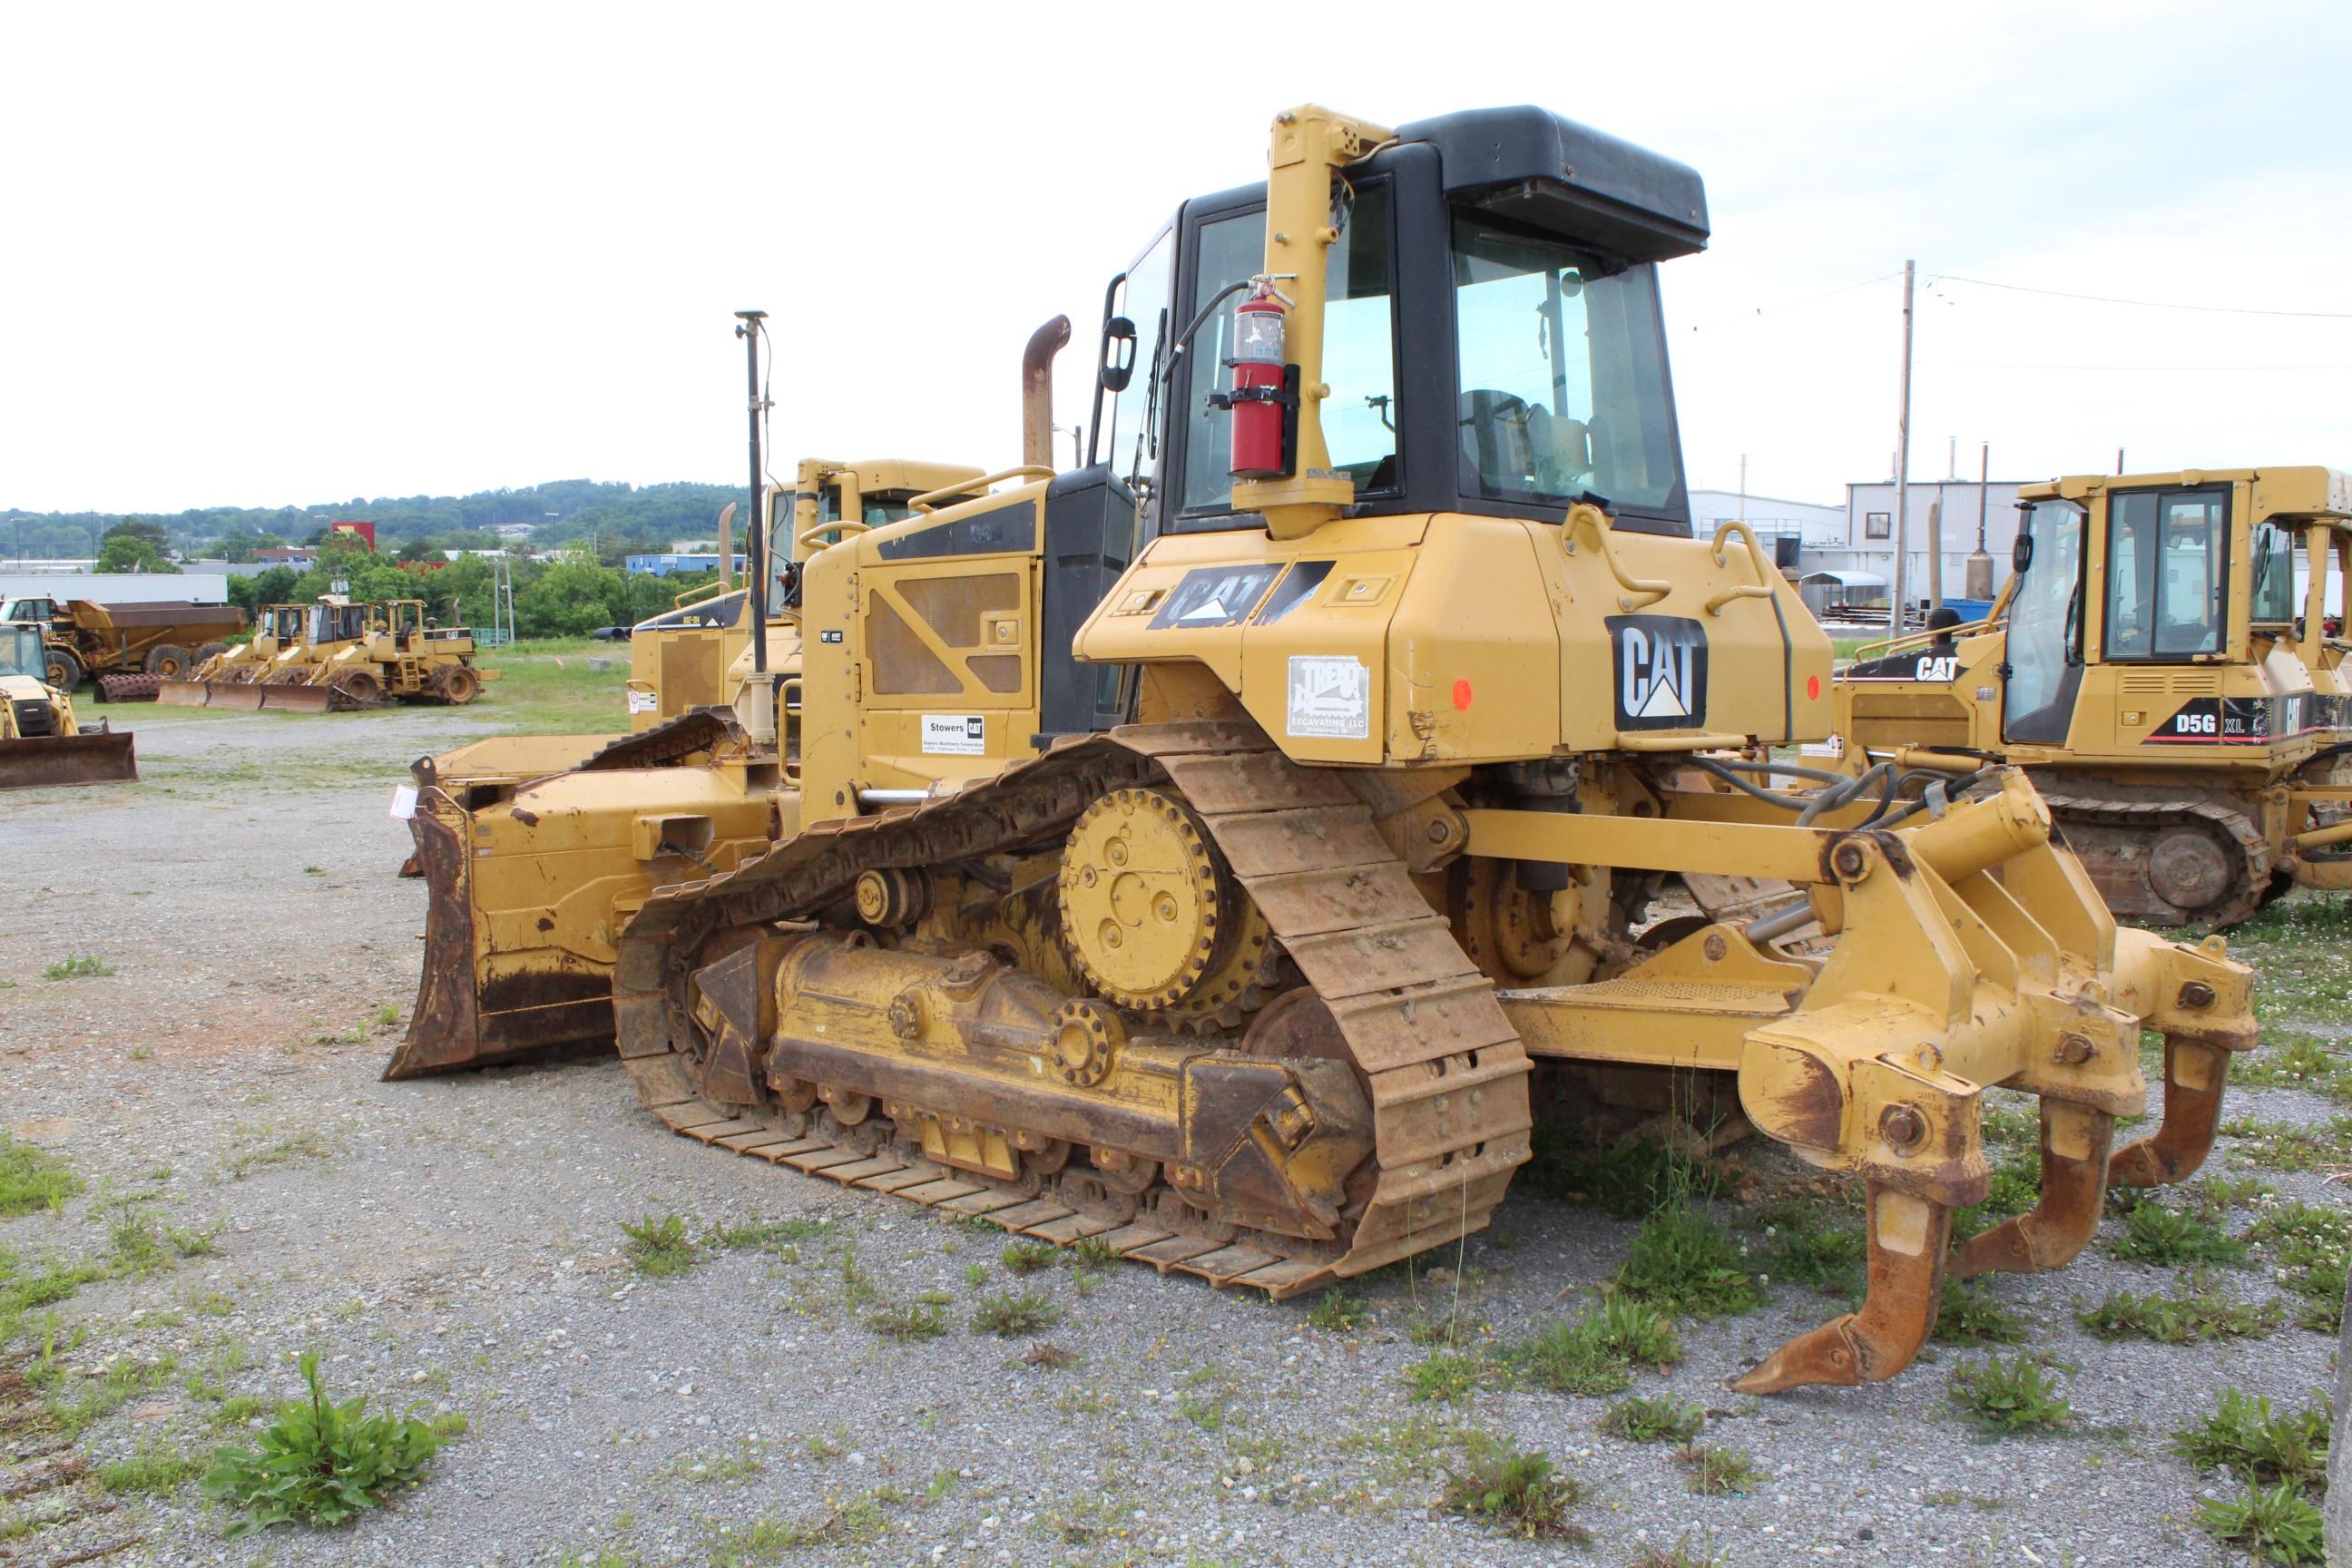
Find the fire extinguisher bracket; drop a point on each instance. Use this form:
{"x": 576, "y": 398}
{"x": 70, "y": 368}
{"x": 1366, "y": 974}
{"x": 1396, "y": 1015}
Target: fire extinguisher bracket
{"x": 1285, "y": 397}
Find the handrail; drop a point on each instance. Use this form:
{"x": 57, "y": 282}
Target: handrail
{"x": 848, "y": 528}
{"x": 696, "y": 596}
{"x": 1886, "y": 646}
{"x": 1583, "y": 517}
{"x": 1760, "y": 589}
{"x": 972, "y": 490}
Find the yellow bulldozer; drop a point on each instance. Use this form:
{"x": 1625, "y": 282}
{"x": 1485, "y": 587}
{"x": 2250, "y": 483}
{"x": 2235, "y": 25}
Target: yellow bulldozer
{"x": 1193, "y": 852}
{"x": 41, "y": 743}
{"x": 344, "y": 656}
{"x": 2167, "y": 664}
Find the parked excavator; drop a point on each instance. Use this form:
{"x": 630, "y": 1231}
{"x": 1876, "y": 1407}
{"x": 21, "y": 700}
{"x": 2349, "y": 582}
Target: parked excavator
{"x": 2167, "y": 664}
{"x": 41, "y": 742}
{"x": 1190, "y": 852}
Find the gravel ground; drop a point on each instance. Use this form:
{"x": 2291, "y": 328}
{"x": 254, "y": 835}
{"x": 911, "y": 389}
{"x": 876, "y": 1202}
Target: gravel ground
{"x": 457, "y": 1243}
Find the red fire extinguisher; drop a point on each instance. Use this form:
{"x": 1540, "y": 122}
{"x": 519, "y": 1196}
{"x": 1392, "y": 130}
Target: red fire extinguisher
{"x": 1264, "y": 402}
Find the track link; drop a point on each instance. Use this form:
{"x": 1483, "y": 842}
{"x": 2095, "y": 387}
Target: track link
{"x": 1445, "y": 1071}
{"x": 2098, "y": 831}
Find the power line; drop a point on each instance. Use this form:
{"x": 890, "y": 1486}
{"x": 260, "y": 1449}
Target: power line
{"x": 2141, "y": 304}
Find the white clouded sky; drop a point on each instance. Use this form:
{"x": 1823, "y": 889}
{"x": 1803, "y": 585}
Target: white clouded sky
{"x": 258, "y": 255}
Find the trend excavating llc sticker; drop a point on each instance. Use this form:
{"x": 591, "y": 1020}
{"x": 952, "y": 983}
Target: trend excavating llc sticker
{"x": 1331, "y": 697}
{"x": 1661, "y": 671}
{"x": 955, "y": 734}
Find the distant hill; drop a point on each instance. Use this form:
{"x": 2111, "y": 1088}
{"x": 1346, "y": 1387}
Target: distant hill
{"x": 620, "y": 518}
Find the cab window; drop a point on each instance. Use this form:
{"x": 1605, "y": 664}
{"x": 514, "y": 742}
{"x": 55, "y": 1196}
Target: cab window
{"x": 1359, "y": 349}
{"x": 2167, "y": 573}
{"x": 1131, "y": 440}
{"x": 2274, "y": 602}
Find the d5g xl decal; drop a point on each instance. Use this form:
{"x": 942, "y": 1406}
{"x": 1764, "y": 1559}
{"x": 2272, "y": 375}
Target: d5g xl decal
{"x": 1661, "y": 671}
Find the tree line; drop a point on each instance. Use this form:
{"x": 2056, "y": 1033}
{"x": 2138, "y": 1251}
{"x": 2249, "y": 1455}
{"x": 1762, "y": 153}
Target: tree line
{"x": 570, "y": 595}
{"x": 617, "y": 519}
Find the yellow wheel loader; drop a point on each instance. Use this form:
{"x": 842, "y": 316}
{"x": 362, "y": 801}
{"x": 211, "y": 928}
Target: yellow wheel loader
{"x": 2167, "y": 664}
{"x": 40, "y": 741}
{"x": 1194, "y": 851}
{"x": 276, "y": 631}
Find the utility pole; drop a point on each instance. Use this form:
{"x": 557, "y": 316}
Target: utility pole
{"x": 1903, "y": 468}
{"x": 1981, "y": 563}
{"x": 2119, "y": 462}
{"x": 759, "y": 723}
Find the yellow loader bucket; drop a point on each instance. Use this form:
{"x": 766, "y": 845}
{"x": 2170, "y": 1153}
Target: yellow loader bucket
{"x": 40, "y": 760}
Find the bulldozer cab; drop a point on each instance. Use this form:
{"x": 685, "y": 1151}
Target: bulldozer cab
{"x": 2162, "y": 583}
{"x": 276, "y": 627}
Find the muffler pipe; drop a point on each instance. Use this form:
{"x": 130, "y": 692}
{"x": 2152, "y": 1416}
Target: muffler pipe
{"x": 1037, "y": 392}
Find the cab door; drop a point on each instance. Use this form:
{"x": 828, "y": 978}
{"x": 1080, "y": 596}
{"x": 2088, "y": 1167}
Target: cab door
{"x": 2045, "y": 669}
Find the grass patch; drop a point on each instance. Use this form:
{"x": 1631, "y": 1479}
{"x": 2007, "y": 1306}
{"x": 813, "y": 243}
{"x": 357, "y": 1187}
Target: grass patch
{"x": 1028, "y": 1257}
{"x": 1010, "y": 1314}
{"x": 320, "y": 1463}
{"x": 2308, "y": 1247}
{"x": 2283, "y": 1147}
{"x": 1971, "y": 1315}
{"x": 2279, "y": 1525}
{"x": 1625, "y": 1179}
{"x": 2193, "y": 1315}
{"x": 660, "y": 1247}
{"x": 2017, "y": 1394}
{"x": 1514, "y": 1490}
{"x": 1810, "y": 1245}
{"x": 921, "y": 1321}
{"x": 1599, "y": 1351}
{"x": 1682, "y": 1262}
{"x": 2301, "y": 1063}
{"x": 2153, "y": 1232}
{"x": 545, "y": 687}
{"x": 1721, "y": 1472}
{"x": 2014, "y": 1187}
{"x": 1445, "y": 1376}
{"x": 153, "y": 1471}
{"x": 771, "y": 1236}
{"x": 2262, "y": 1447}
{"x": 79, "y": 966}
{"x": 1661, "y": 1420}
{"x": 1340, "y": 1313}
{"x": 32, "y": 1179}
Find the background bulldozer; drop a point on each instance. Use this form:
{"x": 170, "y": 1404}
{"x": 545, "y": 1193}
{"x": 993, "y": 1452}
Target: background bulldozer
{"x": 2167, "y": 664}
{"x": 348, "y": 656}
{"x": 127, "y": 650}
{"x": 40, "y": 741}
{"x": 1195, "y": 852}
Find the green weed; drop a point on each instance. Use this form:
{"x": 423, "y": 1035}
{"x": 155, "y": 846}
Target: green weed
{"x": 1661, "y": 1420}
{"x": 1682, "y": 1261}
{"x": 2280, "y": 1525}
{"x": 1598, "y": 1353}
{"x": 921, "y": 1321}
{"x": 2262, "y": 1447}
{"x": 1721, "y": 1472}
{"x": 1029, "y": 1257}
{"x": 2284, "y": 1147}
{"x": 2193, "y": 1315}
{"x": 1340, "y": 1313}
{"x": 2019, "y": 1394}
{"x": 1515, "y": 1491}
{"x": 1626, "y": 1179}
{"x": 660, "y": 1247}
{"x": 1008, "y": 1314}
{"x": 2154, "y": 1234}
{"x": 79, "y": 966}
{"x": 1972, "y": 1315}
{"x": 154, "y": 1471}
{"x": 318, "y": 1462}
{"x": 2308, "y": 1247}
{"x": 1446, "y": 1376}
{"x": 32, "y": 1179}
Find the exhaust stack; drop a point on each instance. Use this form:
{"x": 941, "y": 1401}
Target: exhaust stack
{"x": 1037, "y": 392}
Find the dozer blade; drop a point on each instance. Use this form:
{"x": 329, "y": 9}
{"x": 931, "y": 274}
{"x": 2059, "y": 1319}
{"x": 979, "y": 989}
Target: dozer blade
{"x": 291, "y": 699}
{"x": 189, "y": 694}
{"x": 40, "y": 760}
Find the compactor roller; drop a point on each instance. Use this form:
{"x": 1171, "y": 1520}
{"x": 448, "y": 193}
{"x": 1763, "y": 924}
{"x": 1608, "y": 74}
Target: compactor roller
{"x": 1196, "y": 851}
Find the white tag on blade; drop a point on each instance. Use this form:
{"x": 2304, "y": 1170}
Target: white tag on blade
{"x": 1331, "y": 697}
{"x": 404, "y": 802}
{"x": 955, "y": 734}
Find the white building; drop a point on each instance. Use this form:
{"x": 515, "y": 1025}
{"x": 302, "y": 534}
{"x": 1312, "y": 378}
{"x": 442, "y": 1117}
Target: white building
{"x": 111, "y": 587}
{"x": 1804, "y": 525}
{"x": 1966, "y": 516}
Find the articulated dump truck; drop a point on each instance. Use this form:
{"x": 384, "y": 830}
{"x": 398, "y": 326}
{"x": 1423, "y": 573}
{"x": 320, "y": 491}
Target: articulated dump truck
{"x": 1195, "y": 851}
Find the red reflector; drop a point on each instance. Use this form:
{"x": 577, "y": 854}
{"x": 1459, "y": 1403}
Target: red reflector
{"x": 1462, "y": 695}
{"x": 1813, "y": 688}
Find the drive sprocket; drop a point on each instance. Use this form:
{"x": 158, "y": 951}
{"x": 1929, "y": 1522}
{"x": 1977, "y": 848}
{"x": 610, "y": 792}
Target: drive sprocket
{"x": 1150, "y": 916}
